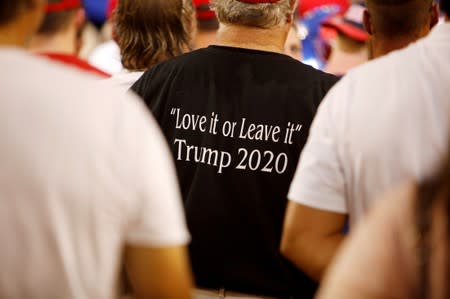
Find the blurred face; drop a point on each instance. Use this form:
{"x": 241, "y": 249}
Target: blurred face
{"x": 292, "y": 46}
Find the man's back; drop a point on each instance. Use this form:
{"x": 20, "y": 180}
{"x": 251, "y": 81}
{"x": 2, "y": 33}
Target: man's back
{"x": 384, "y": 123}
{"x": 72, "y": 195}
{"x": 236, "y": 120}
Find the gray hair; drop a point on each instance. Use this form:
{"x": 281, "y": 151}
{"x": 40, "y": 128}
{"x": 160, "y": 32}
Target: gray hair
{"x": 264, "y": 15}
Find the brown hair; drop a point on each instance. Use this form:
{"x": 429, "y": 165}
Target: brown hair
{"x": 151, "y": 31}
{"x": 10, "y": 9}
{"x": 431, "y": 192}
{"x": 55, "y": 22}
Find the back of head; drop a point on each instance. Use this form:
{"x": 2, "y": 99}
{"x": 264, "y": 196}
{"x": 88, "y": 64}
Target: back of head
{"x": 400, "y": 18}
{"x": 150, "y": 31}
{"x": 59, "y": 14}
{"x": 254, "y": 13}
{"x": 351, "y": 34}
{"x": 10, "y": 9}
{"x": 46, "y": 208}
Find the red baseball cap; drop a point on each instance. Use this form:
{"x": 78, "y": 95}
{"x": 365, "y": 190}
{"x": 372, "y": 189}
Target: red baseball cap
{"x": 351, "y": 24}
{"x": 308, "y": 5}
{"x": 111, "y": 7}
{"x": 258, "y": 1}
{"x": 62, "y": 5}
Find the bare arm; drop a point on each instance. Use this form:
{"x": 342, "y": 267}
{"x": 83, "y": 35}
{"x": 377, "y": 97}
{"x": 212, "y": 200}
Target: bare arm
{"x": 158, "y": 273}
{"x": 378, "y": 259}
{"x": 311, "y": 237}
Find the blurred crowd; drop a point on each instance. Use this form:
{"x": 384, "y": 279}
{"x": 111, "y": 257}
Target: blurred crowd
{"x": 328, "y": 35}
{"x": 232, "y": 149}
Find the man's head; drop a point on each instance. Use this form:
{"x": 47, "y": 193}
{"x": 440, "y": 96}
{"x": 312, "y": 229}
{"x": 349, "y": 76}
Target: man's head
{"x": 61, "y": 30}
{"x": 19, "y": 19}
{"x": 406, "y": 20}
{"x": 151, "y": 31}
{"x": 265, "y": 14}
{"x": 60, "y": 14}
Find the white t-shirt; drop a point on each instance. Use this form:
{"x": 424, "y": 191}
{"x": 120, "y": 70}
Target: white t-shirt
{"x": 124, "y": 80}
{"x": 385, "y": 122}
{"x": 107, "y": 57}
{"x": 84, "y": 170}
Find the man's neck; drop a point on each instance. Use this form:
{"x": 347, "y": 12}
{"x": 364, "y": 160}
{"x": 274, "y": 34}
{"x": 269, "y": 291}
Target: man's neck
{"x": 14, "y": 35}
{"x": 383, "y": 46}
{"x": 269, "y": 40}
{"x": 62, "y": 42}
{"x": 205, "y": 38}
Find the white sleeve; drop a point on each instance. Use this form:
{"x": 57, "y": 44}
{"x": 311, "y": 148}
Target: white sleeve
{"x": 156, "y": 214}
{"x": 319, "y": 181}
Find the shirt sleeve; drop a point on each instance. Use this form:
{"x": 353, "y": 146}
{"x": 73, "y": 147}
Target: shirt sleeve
{"x": 319, "y": 180}
{"x": 156, "y": 216}
{"x": 144, "y": 86}
{"x": 139, "y": 86}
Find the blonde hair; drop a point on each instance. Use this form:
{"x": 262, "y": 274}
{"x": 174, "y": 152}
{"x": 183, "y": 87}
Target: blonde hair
{"x": 151, "y": 31}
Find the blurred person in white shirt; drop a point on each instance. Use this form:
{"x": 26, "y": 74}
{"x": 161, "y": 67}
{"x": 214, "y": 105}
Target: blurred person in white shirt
{"x": 86, "y": 182}
{"x": 401, "y": 250}
{"x": 384, "y": 122}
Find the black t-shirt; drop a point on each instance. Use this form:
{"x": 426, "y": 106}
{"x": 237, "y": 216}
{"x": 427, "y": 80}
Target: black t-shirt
{"x": 236, "y": 121}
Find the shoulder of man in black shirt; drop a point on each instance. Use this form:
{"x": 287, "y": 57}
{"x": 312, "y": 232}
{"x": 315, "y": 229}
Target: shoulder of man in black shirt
{"x": 163, "y": 72}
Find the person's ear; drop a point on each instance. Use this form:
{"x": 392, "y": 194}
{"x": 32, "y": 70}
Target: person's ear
{"x": 434, "y": 17}
{"x": 294, "y": 6}
{"x": 367, "y": 22}
{"x": 290, "y": 17}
